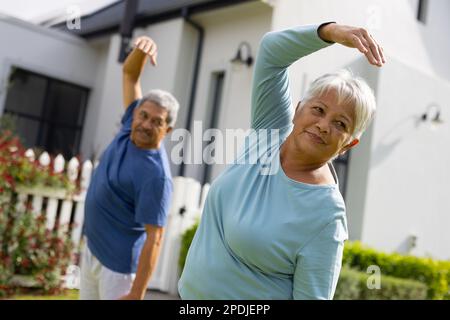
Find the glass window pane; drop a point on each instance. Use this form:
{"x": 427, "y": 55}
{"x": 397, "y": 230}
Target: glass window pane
{"x": 50, "y": 113}
{"x": 26, "y": 93}
{"x": 27, "y": 130}
{"x": 65, "y": 104}
{"x": 59, "y": 139}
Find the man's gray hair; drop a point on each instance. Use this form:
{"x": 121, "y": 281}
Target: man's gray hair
{"x": 165, "y": 100}
{"x": 350, "y": 89}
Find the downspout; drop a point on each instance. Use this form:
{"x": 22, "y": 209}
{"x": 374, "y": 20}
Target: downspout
{"x": 198, "y": 57}
{"x": 126, "y": 28}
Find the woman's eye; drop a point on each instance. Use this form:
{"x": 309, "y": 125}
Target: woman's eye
{"x": 341, "y": 124}
{"x": 318, "y": 109}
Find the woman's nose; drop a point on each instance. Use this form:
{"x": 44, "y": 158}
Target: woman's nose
{"x": 323, "y": 125}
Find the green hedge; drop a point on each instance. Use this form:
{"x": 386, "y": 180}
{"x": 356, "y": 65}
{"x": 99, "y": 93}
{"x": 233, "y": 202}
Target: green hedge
{"x": 446, "y": 266}
{"x": 435, "y": 274}
{"x": 352, "y": 285}
{"x": 186, "y": 240}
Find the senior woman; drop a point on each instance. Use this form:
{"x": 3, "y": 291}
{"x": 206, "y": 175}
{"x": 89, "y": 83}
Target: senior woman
{"x": 275, "y": 228}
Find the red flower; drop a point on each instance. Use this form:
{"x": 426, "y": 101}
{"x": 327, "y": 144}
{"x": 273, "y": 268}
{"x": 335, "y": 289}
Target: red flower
{"x": 25, "y": 263}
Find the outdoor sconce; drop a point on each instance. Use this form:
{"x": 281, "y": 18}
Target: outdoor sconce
{"x": 434, "y": 118}
{"x": 411, "y": 243}
{"x": 239, "y": 59}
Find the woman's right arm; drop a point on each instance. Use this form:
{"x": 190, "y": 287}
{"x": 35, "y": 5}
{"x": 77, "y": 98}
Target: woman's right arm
{"x": 271, "y": 101}
{"x": 319, "y": 263}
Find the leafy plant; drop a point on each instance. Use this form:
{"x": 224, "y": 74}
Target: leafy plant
{"x": 186, "y": 240}
{"x": 17, "y": 169}
{"x": 27, "y": 247}
{"x": 434, "y": 273}
{"x": 352, "y": 285}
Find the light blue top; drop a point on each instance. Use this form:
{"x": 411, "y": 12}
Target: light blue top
{"x": 263, "y": 235}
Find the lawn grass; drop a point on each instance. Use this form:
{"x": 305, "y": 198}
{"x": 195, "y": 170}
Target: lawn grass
{"x": 68, "y": 295}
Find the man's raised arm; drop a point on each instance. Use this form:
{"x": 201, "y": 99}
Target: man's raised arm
{"x": 144, "y": 47}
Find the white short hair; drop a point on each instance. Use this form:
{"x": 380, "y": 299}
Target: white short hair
{"x": 350, "y": 89}
{"x": 165, "y": 100}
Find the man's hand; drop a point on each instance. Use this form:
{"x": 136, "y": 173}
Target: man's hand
{"x": 353, "y": 37}
{"x": 148, "y": 46}
{"x": 134, "y": 64}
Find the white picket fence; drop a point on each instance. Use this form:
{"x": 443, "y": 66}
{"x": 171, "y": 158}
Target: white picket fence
{"x": 187, "y": 204}
{"x": 60, "y": 207}
{"x": 63, "y": 210}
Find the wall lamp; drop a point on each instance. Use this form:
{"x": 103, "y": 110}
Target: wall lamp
{"x": 433, "y": 114}
{"x": 239, "y": 59}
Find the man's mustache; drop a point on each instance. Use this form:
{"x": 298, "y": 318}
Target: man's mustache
{"x": 145, "y": 131}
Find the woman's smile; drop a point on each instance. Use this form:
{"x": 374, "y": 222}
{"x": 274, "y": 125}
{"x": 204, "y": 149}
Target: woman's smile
{"x": 315, "y": 138}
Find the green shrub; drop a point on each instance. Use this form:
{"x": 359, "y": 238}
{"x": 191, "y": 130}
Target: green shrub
{"x": 352, "y": 285}
{"x": 348, "y": 287}
{"x": 446, "y": 266}
{"x": 28, "y": 250}
{"x": 435, "y": 274}
{"x": 186, "y": 240}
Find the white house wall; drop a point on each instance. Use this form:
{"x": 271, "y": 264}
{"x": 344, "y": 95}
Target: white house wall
{"x": 392, "y": 23}
{"x": 183, "y": 74}
{"x": 90, "y": 147}
{"x": 434, "y": 34}
{"x": 225, "y": 29}
{"x": 109, "y": 111}
{"x": 407, "y": 193}
{"x": 359, "y": 168}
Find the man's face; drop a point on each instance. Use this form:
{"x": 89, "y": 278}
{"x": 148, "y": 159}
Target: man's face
{"x": 149, "y": 125}
{"x": 322, "y": 128}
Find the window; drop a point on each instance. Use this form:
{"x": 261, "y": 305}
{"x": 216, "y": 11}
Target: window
{"x": 216, "y": 98}
{"x": 341, "y": 166}
{"x": 49, "y": 113}
{"x": 422, "y": 8}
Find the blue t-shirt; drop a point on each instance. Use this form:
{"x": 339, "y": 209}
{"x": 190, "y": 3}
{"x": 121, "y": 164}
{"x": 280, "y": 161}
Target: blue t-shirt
{"x": 130, "y": 187}
{"x": 263, "y": 235}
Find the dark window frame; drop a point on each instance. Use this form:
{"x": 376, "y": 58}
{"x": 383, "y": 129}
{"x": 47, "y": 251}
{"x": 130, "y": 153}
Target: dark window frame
{"x": 343, "y": 161}
{"x": 42, "y": 118}
{"x": 218, "y": 84}
{"x": 422, "y": 10}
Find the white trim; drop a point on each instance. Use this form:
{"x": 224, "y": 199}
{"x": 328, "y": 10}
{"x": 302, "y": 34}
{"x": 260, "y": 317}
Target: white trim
{"x": 42, "y": 30}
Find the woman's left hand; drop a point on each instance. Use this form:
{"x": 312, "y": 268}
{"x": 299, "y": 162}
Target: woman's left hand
{"x": 354, "y": 37}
